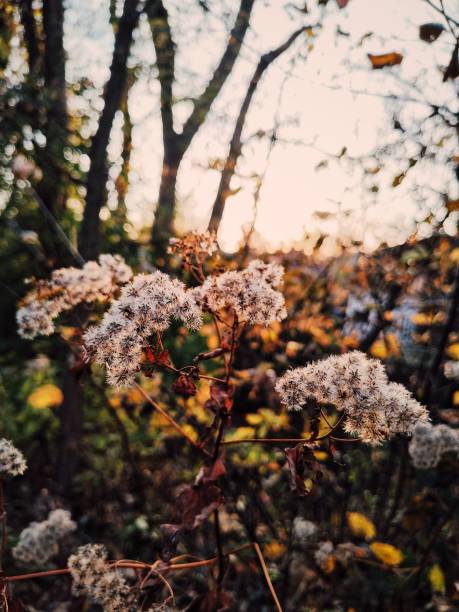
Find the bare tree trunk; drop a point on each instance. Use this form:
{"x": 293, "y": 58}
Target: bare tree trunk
{"x": 52, "y": 188}
{"x": 236, "y": 143}
{"x": 176, "y": 145}
{"x": 70, "y": 436}
{"x": 96, "y": 192}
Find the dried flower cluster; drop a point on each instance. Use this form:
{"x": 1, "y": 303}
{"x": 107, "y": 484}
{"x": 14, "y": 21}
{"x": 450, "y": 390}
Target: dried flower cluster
{"x": 12, "y": 461}
{"x": 451, "y": 370}
{"x": 93, "y": 577}
{"x": 430, "y": 442}
{"x": 303, "y": 529}
{"x": 194, "y": 246}
{"x": 67, "y": 288}
{"x": 374, "y": 408}
{"x": 323, "y": 553}
{"x": 146, "y": 306}
{"x": 250, "y": 293}
{"x": 39, "y": 542}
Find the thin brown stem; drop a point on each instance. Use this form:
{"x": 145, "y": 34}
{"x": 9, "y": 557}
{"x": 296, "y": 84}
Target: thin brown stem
{"x": 267, "y": 577}
{"x": 170, "y": 420}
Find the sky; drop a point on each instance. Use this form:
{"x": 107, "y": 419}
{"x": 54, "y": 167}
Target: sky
{"x": 310, "y": 93}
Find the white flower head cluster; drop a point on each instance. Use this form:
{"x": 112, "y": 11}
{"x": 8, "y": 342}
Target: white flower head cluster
{"x": 146, "y": 306}
{"x": 67, "y": 288}
{"x": 451, "y": 370}
{"x": 12, "y": 462}
{"x": 39, "y": 542}
{"x": 194, "y": 245}
{"x": 324, "y": 551}
{"x": 250, "y": 293}
{"x": 356, "y": 385}
{"x": 93, "y": 577}
{"x": 430, "y": 442}
{"x": 303, "y": 529}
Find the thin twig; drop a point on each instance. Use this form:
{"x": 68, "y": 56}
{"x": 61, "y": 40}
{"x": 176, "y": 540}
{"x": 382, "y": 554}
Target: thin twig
{"x": 267, "y": 577}
{"x": 169, "y": 419}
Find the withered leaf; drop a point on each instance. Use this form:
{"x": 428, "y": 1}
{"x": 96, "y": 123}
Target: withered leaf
{"x": 429, "y": 32}
{"x": 194, "y": 504}
{"x": 221, "y": 399}
{"x": 301, "y": 464}
{"x": 184, "y": 386}
{"x": 385, "y": 59}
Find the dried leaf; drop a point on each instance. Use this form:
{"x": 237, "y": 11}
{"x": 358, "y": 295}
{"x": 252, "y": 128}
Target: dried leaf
{"x": 302, "y": 465}
{"x": 430, "y": 31}
{"x": 184, "y": 386}
{"x": 385, "y": 59}
{"x": 221, "y": 399}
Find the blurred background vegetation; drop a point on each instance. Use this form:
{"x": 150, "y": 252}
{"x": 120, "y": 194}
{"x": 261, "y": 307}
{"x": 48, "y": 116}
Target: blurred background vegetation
{"x": 296, "y": 133}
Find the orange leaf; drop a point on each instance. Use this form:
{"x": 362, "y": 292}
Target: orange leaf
{"x": 385, "y": 59}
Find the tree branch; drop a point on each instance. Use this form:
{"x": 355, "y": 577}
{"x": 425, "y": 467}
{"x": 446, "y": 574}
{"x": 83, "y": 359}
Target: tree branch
{"x": 236, "y": 144}
{"x": 89, "y": 238}
{"x": 223, "y": 70}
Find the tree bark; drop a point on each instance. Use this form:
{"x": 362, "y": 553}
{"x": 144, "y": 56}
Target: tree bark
{"x": 236, "y": 143}
{"x": 70, "y": 436}
{"x": 176, "y": 145}
{"x": 96, "y": 191}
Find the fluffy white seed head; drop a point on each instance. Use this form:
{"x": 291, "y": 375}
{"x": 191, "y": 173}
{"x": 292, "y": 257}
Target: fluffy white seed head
{"x": 430, "y": 442}
{"x": 374, "y": 408}
{"x": 93, "y": 577}
{"x": 250, "y": 293}
{"x": 39, "y": 542}
{"x": 67, "y": 288}
{"x": 12, "y": 462}
{"x": 147, "y": 305}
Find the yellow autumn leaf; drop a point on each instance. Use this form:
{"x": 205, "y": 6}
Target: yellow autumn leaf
{"x": 453, "y": 351}
{"x": 378, "y": 349}
{"x": 360, "y": 525}
{"x": 241, "y": 433}
{"x": 275, "y": 550}
{"x": 437, "y": 579}
{"x": 456, "y": 398}
{"x": 454, "y": 255}
{"x": 393, "y": 344}
{"x": 254, "y": 419}
{"x": 320, "y": 455}
{"x": 329, "y": 564}
{"x": 46, "y": 396}
{"x": 421, "y": 318}
{"x": 388, "y": 554}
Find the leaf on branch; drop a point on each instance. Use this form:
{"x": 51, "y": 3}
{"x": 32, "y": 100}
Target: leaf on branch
{"x": 302, "y": 466}
{"x": 221, "y": 399}
{"x": 429, "y": 32}
{"x": 157, "y": 358}
{"x": 194, "y": 504}
{"x": 184, "y": 386}
{"x": 385, "y": 59}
